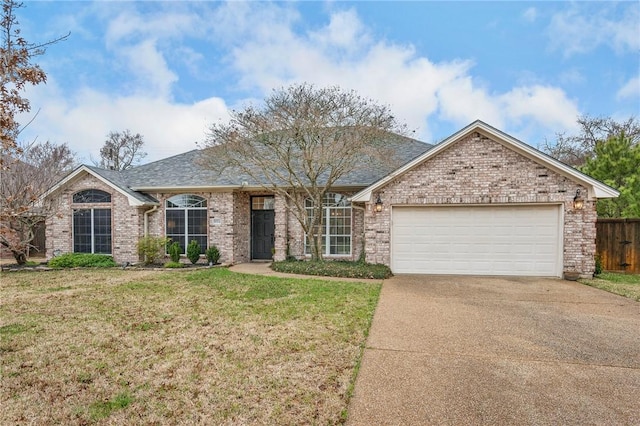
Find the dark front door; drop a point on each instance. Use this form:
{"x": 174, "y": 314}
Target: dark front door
{"x": 262, "y": 230}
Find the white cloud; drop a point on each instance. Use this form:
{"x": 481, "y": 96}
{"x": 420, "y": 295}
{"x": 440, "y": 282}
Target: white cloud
{"x": 84, "y": 120}
{"x": 631, "y": 90}
{"x": 268, "y": 47}
{"x": 150, "y": 68}
{"x": 531, "y": 14}
{"x": 547, "y": 106}
{"x": 415, "y": 87}
{"x": 576, "y": 30}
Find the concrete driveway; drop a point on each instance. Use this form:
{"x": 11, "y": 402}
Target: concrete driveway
{"x": 493, "y": 351}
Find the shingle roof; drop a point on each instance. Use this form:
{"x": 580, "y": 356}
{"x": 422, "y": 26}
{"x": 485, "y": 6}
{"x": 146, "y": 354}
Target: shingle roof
{"x": 118, "y": 179}
{"x": 187, "y": 170}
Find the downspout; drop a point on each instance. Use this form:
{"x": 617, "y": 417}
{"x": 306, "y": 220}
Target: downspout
{"x": 146, "y": 220}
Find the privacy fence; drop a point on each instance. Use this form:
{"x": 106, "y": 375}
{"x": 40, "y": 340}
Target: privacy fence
{"x": 618, "y": 244}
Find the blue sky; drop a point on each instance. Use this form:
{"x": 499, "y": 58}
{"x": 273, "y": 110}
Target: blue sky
{"x": 168, "y": 70}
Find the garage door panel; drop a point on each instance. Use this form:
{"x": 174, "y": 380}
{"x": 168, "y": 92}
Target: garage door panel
{"x": 494, "y": 240}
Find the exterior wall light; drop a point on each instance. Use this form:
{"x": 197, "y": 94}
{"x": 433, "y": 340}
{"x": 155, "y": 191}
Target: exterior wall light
{"x": 578, "y": 201}
{"x": 378, "y": 204}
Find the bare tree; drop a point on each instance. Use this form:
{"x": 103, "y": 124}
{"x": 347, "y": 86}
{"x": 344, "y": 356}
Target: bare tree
{"x": 300, "y": 143}
{"x": 576, "y": 149}
{"x": 121, "y": 150}
{"x": 34, "y": 169}
{"x": 16, "y": 72}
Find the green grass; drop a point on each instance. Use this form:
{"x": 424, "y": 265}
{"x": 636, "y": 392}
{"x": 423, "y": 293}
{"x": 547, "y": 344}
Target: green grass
{"x": 102, "y": 409}
{"x": 154, "y": 347}
{"x": 334, "y": 268}
{"x": 627, "y": 285}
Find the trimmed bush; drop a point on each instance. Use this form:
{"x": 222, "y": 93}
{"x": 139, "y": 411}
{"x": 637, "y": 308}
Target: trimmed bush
{"x": 173, "y": 265}
{"x": 174, "y": 252}
{"x": 82, "y": 260}
{"x": 213, "y": 254}
{"x": 334, "y": 268}
{"x": 193, "y": 252}
{"x": 151, "y": 249}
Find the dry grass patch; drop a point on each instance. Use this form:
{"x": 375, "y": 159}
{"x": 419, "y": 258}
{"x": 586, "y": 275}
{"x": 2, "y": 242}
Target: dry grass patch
{"x": 155, "y": 347}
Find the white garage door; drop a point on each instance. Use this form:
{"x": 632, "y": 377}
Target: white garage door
{"x": 496, "y": 240}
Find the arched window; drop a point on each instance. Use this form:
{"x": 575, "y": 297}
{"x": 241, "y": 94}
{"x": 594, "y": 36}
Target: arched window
{"x": 336, "y": 224}
{"x": 92, "y": 224}
{"x": 186, "y": 220}
{"x": 92, "y": 196}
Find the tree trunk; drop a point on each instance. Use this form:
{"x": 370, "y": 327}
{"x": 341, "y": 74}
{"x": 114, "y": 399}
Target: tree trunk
{"x": 19, "y": 256}
{"x": 315, "y": 239}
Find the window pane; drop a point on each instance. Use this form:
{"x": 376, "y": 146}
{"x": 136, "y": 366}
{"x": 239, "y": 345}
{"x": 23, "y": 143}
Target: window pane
{"x": 197, "y": 222}
{"x": 175, "y": 222}
{"x": 92, "y": 196}
{"x": 185, "y": 201}
{"x": 262, "y": 203}
{"x": 82, "y": 231}
{"x": 88, "y": 238}
{"x": 102, "y": 231}
{"x": 340, "y": 245}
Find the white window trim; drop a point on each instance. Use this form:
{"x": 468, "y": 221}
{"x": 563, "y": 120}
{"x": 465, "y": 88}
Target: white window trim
{"x": 326, "y": 211}
{"x": 185, "y": 209}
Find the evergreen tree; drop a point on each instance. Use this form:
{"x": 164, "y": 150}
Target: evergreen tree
{"x": 616, "y": 162}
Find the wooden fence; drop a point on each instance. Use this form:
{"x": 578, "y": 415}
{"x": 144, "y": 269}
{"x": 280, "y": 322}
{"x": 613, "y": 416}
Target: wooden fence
{"x": 618, "y": 244}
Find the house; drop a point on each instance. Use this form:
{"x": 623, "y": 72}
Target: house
{"x": 480, "y": 202}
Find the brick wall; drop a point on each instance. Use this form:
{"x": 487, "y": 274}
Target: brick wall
{"x": 126, "y": 221}
{"x": 477, "y": 170}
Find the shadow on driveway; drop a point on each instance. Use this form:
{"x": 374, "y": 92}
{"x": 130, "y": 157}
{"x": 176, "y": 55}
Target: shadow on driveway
{"x": 487, "y": 350}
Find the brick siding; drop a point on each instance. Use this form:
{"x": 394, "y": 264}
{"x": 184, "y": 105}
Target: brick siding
{"x": 474, "y": 171}
{"x": 126, "y": 221}
{"x": 479, "y": 171}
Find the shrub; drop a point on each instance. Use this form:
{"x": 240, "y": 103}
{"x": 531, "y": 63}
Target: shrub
{"x": 193, "y": 252}
{"x": 173, "y": 265}
{"x": 213, "y": 254}
{"x": 174, "y": 252}
{"x": 334, "y": 268}
{"x": 598, "y": 270}
{"x": 82, "y": 260}
{"x": 151, "y": 249}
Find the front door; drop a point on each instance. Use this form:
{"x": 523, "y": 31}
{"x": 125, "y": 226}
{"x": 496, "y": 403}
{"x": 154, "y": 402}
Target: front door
{"x": 262, "y": 227}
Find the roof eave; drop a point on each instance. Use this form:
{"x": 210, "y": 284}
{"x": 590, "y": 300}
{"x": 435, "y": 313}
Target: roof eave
{"x": 132, "y": 200}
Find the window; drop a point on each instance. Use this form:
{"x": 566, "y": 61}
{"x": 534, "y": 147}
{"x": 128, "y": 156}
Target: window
{"x": 92, "y": 196}
{"x": 186, "y": 217}
{"x": 336, "y": 225}
{"x": 92, "y": 225}
{"x": 262, "y": 203}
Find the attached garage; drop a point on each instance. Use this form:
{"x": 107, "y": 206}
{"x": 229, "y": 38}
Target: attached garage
{"x": 477, "y": 240}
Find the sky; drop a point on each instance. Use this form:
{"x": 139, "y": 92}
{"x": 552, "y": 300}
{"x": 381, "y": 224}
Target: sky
{"x": 168, "y": 70}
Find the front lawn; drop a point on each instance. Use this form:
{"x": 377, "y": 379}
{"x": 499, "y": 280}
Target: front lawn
{"x": 627, "y": 285}
{"x": 177, "y": 347}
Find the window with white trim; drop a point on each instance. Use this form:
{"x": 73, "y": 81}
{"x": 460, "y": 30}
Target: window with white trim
{"x": 336, "y": 225}
{"x": 186, "y": 220}
{"x": 92, "y": 225}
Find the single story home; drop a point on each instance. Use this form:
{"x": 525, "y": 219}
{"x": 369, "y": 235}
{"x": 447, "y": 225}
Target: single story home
{"x": 480, "y": 202}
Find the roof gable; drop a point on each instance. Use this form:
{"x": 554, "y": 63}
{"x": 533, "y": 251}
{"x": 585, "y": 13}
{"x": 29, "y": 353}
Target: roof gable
{"x": 109, "y": 177}
{"x": 597, "y": 189}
